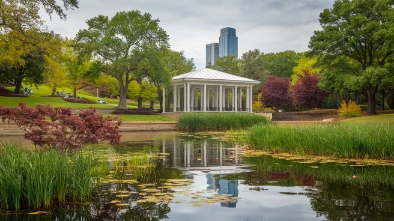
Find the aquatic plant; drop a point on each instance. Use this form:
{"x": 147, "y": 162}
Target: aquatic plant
{"x": 37, "y": 179}
{"x": 339, "y": 140}
{"x": 218, "y": 121}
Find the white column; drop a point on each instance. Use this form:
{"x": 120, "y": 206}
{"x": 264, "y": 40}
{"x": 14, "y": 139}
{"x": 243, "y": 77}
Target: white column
{"x": 178, "y": 104}
{"x": 247, "y": 97}
{"x": 193, "y": 101}
{"x": 205, "y": 153}
{"x": 175, "y": 98}
{"x": 251, "y": 99}
{"x": 164, "y": 99}
{"x": 188, "y": 97}
{"x": 184, "y": 97}
{"x": 240, "y": 98}
{"x": 204, "y": 106}
{"x": 236, "y": 99}
{"x": 175, "y": 157}
{"x": 220, "y": 98}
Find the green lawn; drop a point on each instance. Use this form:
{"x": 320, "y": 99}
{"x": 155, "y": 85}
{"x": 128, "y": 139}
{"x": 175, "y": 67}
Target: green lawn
{"x": 41, "y": 96}
{"x": 381, "y": 118}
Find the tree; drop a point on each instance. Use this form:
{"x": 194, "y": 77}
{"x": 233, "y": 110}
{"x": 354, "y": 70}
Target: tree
{"x": 228, "y": 64}
{"x": 280, "y": 64}
{"x": 176, "y": 64}
{"x": 304, "y": 64}
{"x": 25, "y": 15}
{"x": 116, "y": 42}
{"x": 276, "y": 93}
{"x": 76, "y": 66}
{"x": 363, "y": 31}
{"x": 252, "y": 66}
{"x": 306, "y": 92}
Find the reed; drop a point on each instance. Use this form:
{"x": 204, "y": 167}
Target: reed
{"x": 340, "y": 140}
{"x": 218, "y": 121}
{"x": 37, "y": 179}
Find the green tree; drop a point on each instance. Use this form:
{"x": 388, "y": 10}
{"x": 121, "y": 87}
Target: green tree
{"x": 176, "y": 64}
{"x": 252, "y": 66}
{"x": 228, "y": 64}
{"x": 281, "y": 64}
{"x": 117, "y": 41}
{"x": 363, "y": 31}
{"x": 25, "y": 15}
{"x": 76, "y": 66}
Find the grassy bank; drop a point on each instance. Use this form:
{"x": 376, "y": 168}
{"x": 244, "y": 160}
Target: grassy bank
{"x": 38, "y": 179}
{"x": 218, "y": 121}
{"x": 339, "y": 140}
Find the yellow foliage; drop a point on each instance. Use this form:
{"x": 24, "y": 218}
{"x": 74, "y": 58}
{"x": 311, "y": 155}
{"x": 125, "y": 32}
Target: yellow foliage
{"x": 350, "y": 109}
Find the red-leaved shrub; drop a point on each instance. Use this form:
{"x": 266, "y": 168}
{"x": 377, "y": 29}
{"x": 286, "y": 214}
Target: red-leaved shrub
{"x": 58, "y": 128}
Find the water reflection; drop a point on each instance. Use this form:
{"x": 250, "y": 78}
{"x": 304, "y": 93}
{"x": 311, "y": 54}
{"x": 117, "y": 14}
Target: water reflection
{"x": 196, "y": 178}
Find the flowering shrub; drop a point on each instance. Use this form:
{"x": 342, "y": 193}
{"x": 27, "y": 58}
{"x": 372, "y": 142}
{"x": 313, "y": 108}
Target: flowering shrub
{"x": 350, "y": 109}
{"x": 63, "y": 130}
{"x": 79, "y": 100}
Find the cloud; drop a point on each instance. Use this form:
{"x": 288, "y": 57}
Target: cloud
{"x": 268, "y": 25}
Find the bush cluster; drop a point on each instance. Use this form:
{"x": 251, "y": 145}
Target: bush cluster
{"x": 218, "y": 121}
{"x": 58, "y": 128}
{"x": 350, "y": 109}
{"x": 79, "y": 100}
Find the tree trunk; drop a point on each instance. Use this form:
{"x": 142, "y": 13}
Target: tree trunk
{"x": 160, "y": 96}
{"x": 382, "y": 98}
{"x": 122, "y": 96}
{"x": 53, "y": 91}
{"x": 390, "y": 100}
{"x": 18, "y": 85}
{"x": 139, "y": 100}
{"x": 152, "y": 103}
{"x": 75, "y": 91}
{"x": 371, "y": 94}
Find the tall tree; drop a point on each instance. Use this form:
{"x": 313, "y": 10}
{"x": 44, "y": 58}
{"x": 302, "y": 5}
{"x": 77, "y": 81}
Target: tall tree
{"x": 281, "y": 64}
{"x": 25, "y": 15}
{"x": 228, "y": 64}
{"x": 176, "y": 63}
{"x": 23, "y": 58}
{"x": 252, "y": 66}
{"x": 306, "y": 92}
{"x": 363, "y": 31}
{"x": 276, "y": 93}
{"x": 116, "y": 41}
{"x": 304, "y": 64}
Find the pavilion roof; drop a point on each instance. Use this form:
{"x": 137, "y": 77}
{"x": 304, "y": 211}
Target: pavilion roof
{"x": 207, "y": 74}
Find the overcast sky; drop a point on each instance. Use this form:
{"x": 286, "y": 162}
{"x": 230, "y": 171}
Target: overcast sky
{"x": 267, "y": 25}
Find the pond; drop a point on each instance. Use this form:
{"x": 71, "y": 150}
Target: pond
{"x": 202, "y": 177}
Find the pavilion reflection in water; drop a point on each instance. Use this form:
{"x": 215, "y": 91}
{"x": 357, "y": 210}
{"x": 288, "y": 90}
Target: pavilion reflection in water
{"x": 214, "y": 158}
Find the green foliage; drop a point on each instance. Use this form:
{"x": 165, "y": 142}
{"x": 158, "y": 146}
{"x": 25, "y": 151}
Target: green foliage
{"x": 38, "y": 179}
{"x": 304, "y": 64}
{"x": 218, "y": 121}
{"x": 350, "y": 109}
{"x": 228, "y": 64}
{"x": 361, "y": 31}
{"x": 339, "y": 140}
{"x": 128, "y": 44}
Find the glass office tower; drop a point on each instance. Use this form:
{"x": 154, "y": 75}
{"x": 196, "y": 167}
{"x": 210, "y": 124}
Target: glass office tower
{"x": 228, "y": 42}
{"x": 212, "y": 53}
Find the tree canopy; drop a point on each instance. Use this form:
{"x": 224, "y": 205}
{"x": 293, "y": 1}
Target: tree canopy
{"x": 276, "y": 93}
{"x": 119, "y": 42}
{"x": 362, "y": 31}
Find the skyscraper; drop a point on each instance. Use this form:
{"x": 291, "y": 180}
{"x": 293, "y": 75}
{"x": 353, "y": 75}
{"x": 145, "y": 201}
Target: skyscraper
{"x": 228, "y": 42}
{"x": 212, "y": 53}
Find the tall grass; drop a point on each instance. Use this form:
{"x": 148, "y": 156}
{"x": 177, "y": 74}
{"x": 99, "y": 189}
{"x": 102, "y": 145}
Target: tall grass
{"x": 340, "y": 140}
{"x": 37, "y": 179}
{"x": 218, "y": 121}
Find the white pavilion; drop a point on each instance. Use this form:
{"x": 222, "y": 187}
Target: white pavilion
{"x": 208, "y": 90}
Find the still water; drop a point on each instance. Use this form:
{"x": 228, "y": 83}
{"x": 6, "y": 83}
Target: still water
{"x": 202, "y": 177}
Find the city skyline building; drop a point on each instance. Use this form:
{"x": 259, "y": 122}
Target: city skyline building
{"x": 212, "y": 53}
{"x": 228, "y": 42}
